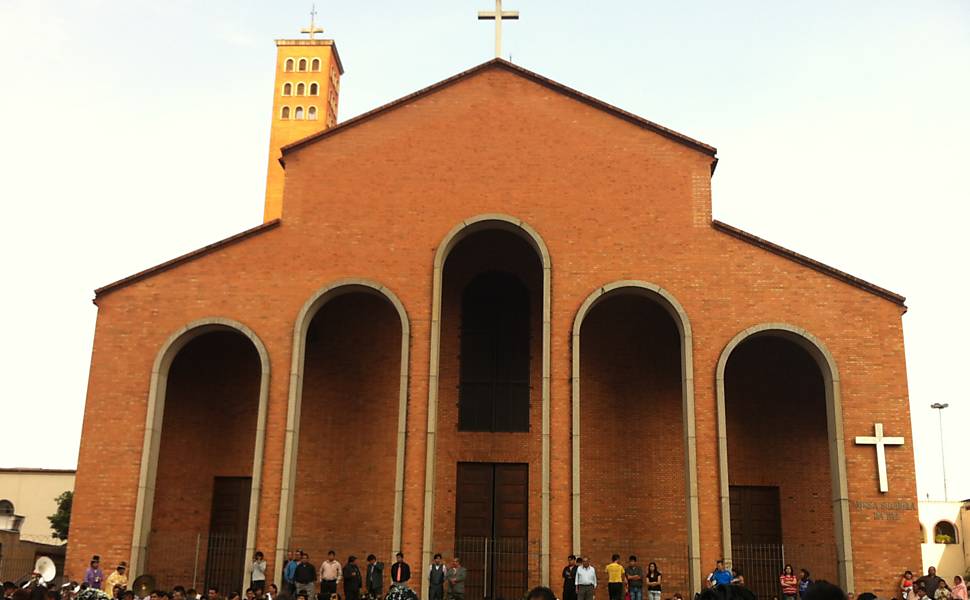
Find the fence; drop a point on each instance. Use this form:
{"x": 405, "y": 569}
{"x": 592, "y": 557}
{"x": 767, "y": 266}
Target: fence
{"x": 672, "y": 560}
{"x": 762, "y": 564}
{"x": 197, "y": 559}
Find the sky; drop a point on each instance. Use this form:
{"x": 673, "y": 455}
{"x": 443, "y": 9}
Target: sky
{"x": 133, "y": 131}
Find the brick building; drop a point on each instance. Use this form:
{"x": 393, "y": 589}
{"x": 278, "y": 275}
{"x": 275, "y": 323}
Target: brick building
{"x": 493, "y": 318}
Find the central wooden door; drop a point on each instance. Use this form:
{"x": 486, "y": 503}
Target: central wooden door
{"x": 756, "y": 539}
{"x": 492, "y": 529}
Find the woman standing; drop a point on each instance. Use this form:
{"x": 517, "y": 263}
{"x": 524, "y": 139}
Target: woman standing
{"x": 789, "y": 583}
{"x": 258, "y": 581}
{"x": 959, "y": 588}
{"x": 906, "y": 586}
{"x": 654, "y": 581}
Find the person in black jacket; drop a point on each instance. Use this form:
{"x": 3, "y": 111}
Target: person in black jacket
{"x": 352, "y": 579}
{"x": 305, "y": 576}
{"x": 375, "y": 577}
{"x": 400, "y": 572}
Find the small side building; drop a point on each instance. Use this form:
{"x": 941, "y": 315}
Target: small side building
{"x": 943, "y": 528}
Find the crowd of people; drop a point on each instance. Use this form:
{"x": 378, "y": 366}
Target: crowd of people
{"x": 302, "y": 580}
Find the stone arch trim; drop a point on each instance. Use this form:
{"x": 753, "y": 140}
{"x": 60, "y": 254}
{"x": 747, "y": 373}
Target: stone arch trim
{"x": 483, "y": 222}
{"x": 836, "y": 438}
{"x": 292, "y": 436}
{"x": 676, "y": 310}
{"x": 158, "y": 384}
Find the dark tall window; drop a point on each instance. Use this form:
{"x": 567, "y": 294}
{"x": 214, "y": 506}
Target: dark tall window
{"x": 494, "y": 386}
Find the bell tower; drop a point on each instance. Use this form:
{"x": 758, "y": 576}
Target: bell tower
{"x": 304, "y": 101}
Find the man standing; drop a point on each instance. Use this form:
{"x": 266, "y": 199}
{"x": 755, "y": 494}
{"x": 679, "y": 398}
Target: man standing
{"x": 436, "y": 578}
{"x": 585, "y": 581}
{"x": 456, "y": 580}
{"x": 400, "y": 572}
{"x": 569, "y": 579}
{"x": 375, "y": 577}
{"x": 292, "y": 560}
{"x": 634, "y": 579}
{"x": 931, "y": 582}
{"x": 330, "y": 575}
{"x": 615, "y": 574}
{"x": 304, "y": 576}
{"x": 352, "y": 579}
{"x": 94, "y": 576}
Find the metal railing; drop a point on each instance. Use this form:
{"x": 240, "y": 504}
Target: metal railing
{"x": 197, "y": 559}
{"x": 762, "y": 564}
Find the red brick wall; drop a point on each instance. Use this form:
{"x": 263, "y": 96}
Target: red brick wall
{"x": 209, "y": 430}
{"x": 506, "y": 252}
{"x": 777, "y": 436}
{"x": 348, "y": 430}
{"x": 632, "y": 461}
{"x": 611, "y": 200}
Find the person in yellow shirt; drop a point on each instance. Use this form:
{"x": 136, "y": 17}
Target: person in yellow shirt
{"x": 615, "y": 576}
{"x": 118, "y": 577}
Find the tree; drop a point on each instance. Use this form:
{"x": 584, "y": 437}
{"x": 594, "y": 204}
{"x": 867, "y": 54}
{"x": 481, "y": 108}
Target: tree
{"x": 61, "y": 520}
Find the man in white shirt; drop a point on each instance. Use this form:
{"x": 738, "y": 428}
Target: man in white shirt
{"x": 585, "y": 581}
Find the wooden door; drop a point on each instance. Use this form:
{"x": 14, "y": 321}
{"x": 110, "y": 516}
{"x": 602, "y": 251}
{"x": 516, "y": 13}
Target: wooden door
{"x": 228, "y": 524}
{"x": 756, "y": 537}
{"x": 491, "y": 528}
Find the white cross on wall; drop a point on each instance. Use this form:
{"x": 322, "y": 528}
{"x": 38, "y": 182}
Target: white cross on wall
{"x": 880, "y": 443}
{"x": 498, "y": 15}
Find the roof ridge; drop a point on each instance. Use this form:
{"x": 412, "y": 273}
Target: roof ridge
{"x": 522, "y": 71}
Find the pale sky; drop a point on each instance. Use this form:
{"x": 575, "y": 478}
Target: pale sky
{"x": 134, "y": 131}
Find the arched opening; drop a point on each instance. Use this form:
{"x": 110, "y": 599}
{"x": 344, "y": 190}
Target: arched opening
{"x": 285, "y": 112}
{"x": 302, "y": 64}
{"x": 922, "y": 534}
{"x": 779, "y": 406}
{"x": 344, "y": 457}
{"x": 298, "y": 113}
{"x": 202, "y": 509}
{"x": 314, "y": 89}
{"x": 633, "y": 433}
{"x": 311, "y": 113}
{"x": 945, "y": 532}
{"x": 490, "y": 392}
{"x": 287, "y": 89}
{"x": 288, "y": 65}
{"x": 315, "y": 64}
{"x": 300, "y": 89}
{"x": 6, "y": 508}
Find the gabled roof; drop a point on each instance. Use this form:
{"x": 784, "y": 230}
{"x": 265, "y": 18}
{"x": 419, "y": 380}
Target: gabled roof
{"x": 811, "y": 263}
{"x": 170, "y": 264}
{"x": 500, "y": 63}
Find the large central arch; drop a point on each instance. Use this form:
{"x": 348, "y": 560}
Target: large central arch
{"x": 502, "y": 222}
{"x": 666, "y": 300}
{"x": 836, "y": 439}
{"x": 301, "y": 327}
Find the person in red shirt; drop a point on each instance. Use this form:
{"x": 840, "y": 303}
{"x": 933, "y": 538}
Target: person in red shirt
{"x": 789, "y": 583}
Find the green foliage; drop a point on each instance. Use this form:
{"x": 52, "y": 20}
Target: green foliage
{"x": 942, "y": 538}
{"x": 61, "y": 520}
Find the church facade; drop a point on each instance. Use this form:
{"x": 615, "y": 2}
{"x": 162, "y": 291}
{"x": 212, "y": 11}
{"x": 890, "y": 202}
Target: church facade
{"x": 494, "y": 319}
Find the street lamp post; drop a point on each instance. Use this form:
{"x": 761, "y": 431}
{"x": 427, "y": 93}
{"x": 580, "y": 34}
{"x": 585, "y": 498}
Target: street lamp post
{"x": 939, "y": 407}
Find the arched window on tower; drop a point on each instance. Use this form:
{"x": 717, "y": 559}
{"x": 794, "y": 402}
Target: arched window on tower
{"x": 285, "y": 113}
{"x": 311, "y": 113}
{"x": 315, "y": 65}
{"x": 945, "y": 533}
{"x": 6, "y": 508}
{"x": 288, "y": 65}
{"x": 287, "y": 89}
{"x": 298, "y": 113}
{"x": 493, "y": 391}
{"x": 300, "y": 89}
{"x": 302, "y": 66}
{"x": 314, "y": 89}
